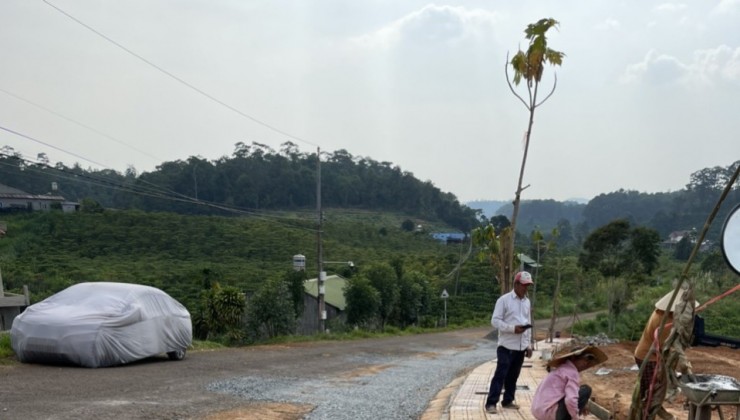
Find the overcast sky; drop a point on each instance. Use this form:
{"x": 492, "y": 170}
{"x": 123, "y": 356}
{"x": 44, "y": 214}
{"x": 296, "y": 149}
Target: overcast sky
{"x": 647, "y": 94}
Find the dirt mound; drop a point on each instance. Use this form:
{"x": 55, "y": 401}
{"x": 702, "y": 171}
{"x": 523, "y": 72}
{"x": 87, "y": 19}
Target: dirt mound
{"x": 614, "y": 390}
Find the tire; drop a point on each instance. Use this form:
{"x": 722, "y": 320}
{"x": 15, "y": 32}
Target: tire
{"x": 176, "y": 355}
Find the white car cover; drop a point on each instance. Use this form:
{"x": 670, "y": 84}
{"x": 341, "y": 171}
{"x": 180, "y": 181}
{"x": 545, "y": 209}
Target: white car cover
{"x": 101, "y": 324}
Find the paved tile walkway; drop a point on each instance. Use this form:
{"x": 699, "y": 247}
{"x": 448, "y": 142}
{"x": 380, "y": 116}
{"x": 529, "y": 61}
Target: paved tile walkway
{"x": 469, "y": 401}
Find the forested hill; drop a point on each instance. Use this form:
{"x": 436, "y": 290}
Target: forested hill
{"x": 255, "y": 177}
{"x": 666, "y": 212}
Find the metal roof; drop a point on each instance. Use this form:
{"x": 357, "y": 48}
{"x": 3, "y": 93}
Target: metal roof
{"x": 333, "y": 288}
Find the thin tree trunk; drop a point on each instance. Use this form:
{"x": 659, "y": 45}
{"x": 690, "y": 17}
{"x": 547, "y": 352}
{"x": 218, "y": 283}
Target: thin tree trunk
{"x": 509, "y": 262}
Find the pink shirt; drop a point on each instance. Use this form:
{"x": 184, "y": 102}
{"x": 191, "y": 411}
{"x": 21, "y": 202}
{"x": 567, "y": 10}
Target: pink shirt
{"x": 564, "y": 381}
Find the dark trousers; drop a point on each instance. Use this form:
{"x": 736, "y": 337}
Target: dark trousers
{"x": 508, "y": 366}
{"x": 584, "y": 393}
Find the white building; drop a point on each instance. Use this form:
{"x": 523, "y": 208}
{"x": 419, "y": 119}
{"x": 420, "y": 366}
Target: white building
{"x": 15, "y": 199}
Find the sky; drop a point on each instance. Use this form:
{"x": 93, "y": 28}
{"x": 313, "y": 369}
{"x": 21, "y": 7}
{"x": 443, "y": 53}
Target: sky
{"x": 646, "y": 95}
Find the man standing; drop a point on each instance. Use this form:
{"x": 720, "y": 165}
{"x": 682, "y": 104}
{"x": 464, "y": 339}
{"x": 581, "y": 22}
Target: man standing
{"x": 511, "y": 319}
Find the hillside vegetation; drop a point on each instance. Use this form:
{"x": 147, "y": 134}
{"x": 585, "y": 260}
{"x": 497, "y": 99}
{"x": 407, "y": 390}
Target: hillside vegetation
{"x": 237, "y": 222}
{"x": 50, "y": 251}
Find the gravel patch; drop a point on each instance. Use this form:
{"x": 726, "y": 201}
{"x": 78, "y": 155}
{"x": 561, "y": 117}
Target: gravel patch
{"x": 401, "y": 390}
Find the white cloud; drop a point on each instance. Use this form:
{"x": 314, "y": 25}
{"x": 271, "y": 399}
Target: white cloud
{"x": 726, "y": 7}
{"x": 670, "y": 7}
{"x": 432, "y": 25}
{"x": 655, "y": 69}
{"x": 608, "y": 24}
{"x": 707, "y": 68}
{"x": 716, "y": 65}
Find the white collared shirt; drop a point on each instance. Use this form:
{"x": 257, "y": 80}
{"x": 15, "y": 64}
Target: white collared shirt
{"x": 509, "y": 312}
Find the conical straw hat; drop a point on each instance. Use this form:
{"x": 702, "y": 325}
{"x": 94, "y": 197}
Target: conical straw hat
{"x": 594, "y": 354}
{"x": 662, "y": 304}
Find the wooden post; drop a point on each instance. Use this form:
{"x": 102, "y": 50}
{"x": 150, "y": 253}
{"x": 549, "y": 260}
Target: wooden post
{"x": 598, "y": 411}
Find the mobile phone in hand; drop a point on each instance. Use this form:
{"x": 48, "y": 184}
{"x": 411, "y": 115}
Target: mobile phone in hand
{"x": 527, "y": 326}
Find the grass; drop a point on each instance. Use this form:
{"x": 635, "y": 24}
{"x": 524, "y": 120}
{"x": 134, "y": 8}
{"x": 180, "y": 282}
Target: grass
{"x": 7, "y": 355}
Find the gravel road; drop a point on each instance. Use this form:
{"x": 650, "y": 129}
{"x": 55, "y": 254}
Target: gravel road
{"x": 387, "y": 378}
{"x": 380, "y": 378}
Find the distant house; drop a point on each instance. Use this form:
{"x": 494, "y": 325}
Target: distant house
{"x": 334, "y": 302}
{"x": 527, "y": 262}
{"x": 449, "y": 237}
{"x": 13, "y": 199}
{"x": 676, "y": 236}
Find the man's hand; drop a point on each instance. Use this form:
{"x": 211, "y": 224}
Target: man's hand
{"x": 519, "y": 329}
{"x": 528, "y": 352}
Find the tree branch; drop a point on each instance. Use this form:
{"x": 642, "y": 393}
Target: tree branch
{"x": 554, "y": 85}
{"x": 506, "y": 71}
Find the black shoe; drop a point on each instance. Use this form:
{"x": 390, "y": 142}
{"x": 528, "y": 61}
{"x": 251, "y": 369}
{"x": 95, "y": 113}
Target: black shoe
{"x": 491, "y": 409}
{"x": 511, "y": 406}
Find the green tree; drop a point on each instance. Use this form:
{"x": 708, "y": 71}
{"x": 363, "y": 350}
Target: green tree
{"x": 220, "y": 312}
{"x": 294, "y": 279}
{"x": 363, "y": 302}
{"x": 683, "y": 249}
{"x": 616, "y": 250}
{"x": 500, "y": 222}
{"x": 408, "y": 225}
{"x": 491, "y": 248}
{"x": 383, "y": 278}
{"x": 415, "y": 296}
{"x": 270, "y": 311}
{"x": 645, "y": 244}
{"x": 88, "y": 205}
{"x": 529, "y": 66}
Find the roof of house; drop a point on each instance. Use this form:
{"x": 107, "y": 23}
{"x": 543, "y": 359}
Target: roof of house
{"x": 333, "y": 290}
{"x": 527, "y": 260}
{"x": 10, "y": 192}
{"x": 4, "y": 189}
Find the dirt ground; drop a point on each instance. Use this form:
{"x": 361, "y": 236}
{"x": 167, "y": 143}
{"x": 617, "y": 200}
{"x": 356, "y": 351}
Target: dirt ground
{"x": 614, "y": 391}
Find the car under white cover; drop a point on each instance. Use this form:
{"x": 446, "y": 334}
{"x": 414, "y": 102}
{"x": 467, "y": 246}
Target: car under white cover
{"x": 101, "y": 324}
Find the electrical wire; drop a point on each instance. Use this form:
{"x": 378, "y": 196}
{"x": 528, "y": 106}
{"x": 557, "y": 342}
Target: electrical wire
{"x": 182, "y": 81}
{"x": 134, "y": 189}
{"x": 93, "y": 129}
{"x": 50, "y": 145}
{"x": 154, "y": 191}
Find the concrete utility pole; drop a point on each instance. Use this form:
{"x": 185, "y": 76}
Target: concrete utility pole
{"x": 319, "y": 249}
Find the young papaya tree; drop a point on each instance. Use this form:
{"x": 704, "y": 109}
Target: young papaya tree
{"x": 528, "y": 67}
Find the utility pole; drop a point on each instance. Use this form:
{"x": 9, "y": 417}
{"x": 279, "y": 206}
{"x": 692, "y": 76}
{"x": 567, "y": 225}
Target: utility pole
{"x": 319, "y": 249}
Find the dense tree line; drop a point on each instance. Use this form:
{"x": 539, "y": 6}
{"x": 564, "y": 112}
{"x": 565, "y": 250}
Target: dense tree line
{"x": 255, "y": 177}
{"x": 665, "y": 212}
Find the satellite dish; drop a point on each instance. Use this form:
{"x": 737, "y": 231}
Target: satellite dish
{"x": 730, "y": 239}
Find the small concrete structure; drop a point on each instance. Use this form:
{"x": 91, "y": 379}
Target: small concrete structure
{"x": 11, "y": 305}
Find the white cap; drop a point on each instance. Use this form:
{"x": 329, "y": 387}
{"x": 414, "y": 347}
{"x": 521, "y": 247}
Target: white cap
{"x": 523, "y": 277}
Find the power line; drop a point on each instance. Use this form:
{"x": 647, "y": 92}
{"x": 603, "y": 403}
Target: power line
{"x": 94, "y": 130}
{"x": 50, "y": 145}
{"x": 182, "y": 81}
{"x": 154, "y": 192}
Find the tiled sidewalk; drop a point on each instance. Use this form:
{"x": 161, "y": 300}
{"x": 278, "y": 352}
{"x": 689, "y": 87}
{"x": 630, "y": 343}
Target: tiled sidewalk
{"x": 469, "y": 401}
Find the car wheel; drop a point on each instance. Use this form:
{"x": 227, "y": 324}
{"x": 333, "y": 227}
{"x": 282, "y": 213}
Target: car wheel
{"x": 176, "y": 355}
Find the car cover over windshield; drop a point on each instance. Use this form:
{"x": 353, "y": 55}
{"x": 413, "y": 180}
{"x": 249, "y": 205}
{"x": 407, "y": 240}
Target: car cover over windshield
{"x": 101, "y": 324}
